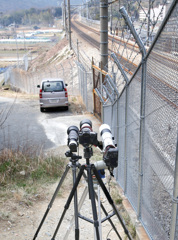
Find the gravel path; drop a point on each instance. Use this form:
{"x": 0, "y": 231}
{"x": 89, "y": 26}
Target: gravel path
{"x": 27, "y": 218}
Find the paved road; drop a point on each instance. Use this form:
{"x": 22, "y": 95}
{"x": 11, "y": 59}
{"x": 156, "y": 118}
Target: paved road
{"x": 26, "y": 126}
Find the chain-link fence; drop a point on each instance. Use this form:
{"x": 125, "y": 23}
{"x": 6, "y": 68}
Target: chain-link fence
{"x": 144, "y": 123}
{"x": 28, "y": 81}
{"x": 85, "y": 78}
{"x": 77, "y": 75}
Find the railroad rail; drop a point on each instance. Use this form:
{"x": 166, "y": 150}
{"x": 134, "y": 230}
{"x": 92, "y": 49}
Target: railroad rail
{"x": 162, "y": 88}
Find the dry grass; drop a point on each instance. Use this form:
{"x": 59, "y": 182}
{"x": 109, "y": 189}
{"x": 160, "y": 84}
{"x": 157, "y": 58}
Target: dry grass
{"x": 24, "y": 177}
{"x": 12, "y": 94}
{"x": 118, "y": 201}
{"x": 76, "y": 105}
{"x": 19, "y": 168}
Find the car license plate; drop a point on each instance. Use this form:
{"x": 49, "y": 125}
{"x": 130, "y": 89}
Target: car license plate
{"x": 53, "y": 100}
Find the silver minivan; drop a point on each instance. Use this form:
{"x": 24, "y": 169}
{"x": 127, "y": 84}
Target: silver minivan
{"x": 53, "y": 93}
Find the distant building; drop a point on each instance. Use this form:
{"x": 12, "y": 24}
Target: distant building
{"x": 155, "y": 13}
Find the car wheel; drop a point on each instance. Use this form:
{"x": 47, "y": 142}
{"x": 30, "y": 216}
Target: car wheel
{"x": 41, "y": 109}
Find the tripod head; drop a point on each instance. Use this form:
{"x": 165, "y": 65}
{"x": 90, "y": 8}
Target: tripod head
{"x": 73, "y": 157}
{"x": 88, "y": 153}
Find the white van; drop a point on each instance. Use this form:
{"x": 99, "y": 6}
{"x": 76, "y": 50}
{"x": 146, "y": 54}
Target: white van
{"x": 53, "y": 93}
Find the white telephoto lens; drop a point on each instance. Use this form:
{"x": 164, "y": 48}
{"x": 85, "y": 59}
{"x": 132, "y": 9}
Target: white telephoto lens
{"x": 105, "y": 132}
{"x": 100, "y": 165}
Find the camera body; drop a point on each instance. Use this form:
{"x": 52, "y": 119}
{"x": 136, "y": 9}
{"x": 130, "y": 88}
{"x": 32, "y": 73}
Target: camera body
{"x": 86, "y": 135}
{"x": 110, "y": 157}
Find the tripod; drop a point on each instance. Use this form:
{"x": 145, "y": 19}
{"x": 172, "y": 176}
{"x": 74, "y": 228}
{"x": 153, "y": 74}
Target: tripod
{"x": 91, "y": 169}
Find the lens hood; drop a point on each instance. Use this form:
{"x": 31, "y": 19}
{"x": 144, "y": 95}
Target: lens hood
{"x": 86, "y": 121}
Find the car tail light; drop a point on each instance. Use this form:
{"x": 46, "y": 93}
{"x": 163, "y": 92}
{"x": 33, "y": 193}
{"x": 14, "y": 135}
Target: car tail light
{"x": 66, "y": 94}
{"x": 40, "y": 94}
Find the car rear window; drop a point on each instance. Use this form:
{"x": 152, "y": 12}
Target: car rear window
{"x": 55, "y": 86}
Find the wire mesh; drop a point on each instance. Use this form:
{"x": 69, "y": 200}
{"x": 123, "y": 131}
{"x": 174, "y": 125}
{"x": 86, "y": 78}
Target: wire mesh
{"x": 146, "y": 17}
{"x": 158, "y": 146}
{"x": 85, "y": 86}
{"x": 160, "y": 132}
{"x": 28, "y": 81}
{"x": 121, "y": 143}
{"x": 147, "y": 143}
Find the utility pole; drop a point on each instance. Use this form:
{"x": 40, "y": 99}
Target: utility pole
{"x": 87, "y": 10}
{"x": 111, "y": 20}
{"x": 62, "y": 6}
{"x": 104, "y": 32}
{"x": 64, "y": 16}
{"x": 17, "y": 49}
{"x": 77, "y": 50}
{"x": 69, "y": 25}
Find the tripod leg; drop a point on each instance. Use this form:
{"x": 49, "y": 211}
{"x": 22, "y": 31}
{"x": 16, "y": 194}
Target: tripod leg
{"x": 69, "y": 200}
{"x": 75, "y": 206}
{"x": 81, "y": 201}
{"x": 111, "y": 202}
{"x": 105, "y": 212}
{"x": 92, "y": 196}
{"x": 112, "y": 224}
{"x": 52, "y": 200}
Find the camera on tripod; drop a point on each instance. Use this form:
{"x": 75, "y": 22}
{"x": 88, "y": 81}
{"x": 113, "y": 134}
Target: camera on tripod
{"x": 87, "y": 137}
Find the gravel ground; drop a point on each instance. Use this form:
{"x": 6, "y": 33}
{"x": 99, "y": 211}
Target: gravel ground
{"x": 25, "y": 219}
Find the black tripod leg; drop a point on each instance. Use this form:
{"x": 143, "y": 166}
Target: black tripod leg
{"x": 92, "y": 196}
{"x": 69, "y": 199}
{"x": 75, "y": 206}
{"x": 52, "y": 200}
{"x": 110, "y": 221}
{"x": 111, "y": 202}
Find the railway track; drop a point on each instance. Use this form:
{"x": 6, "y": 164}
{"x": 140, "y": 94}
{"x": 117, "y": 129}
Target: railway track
{"x": 164, "y": 89}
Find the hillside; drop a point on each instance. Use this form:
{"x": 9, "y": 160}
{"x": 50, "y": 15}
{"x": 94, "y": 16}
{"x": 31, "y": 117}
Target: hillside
{"x": 13, "y": 5}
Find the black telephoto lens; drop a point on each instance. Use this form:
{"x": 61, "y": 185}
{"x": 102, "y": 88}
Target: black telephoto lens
{"x": 73, "y": 138}
{"x": 85, "y": 122}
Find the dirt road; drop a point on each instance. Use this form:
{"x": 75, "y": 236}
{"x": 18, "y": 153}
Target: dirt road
{"x": 26, "y": 124}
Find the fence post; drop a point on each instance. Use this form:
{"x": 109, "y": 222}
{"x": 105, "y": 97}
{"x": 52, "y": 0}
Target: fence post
{"x": 71, "y": 71}
{"x": 142, "y": 105}
{"x": 56, "y": 72}
{"x": 79, "y": 73}
{"x": 126, "y": 119}
{"x": 86, "y": 93}
{"x": 104, "y": 32}
{"x": 93, "y": 76}
{"x": 174, "y": 221}
{"x": 62, "y": 70}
